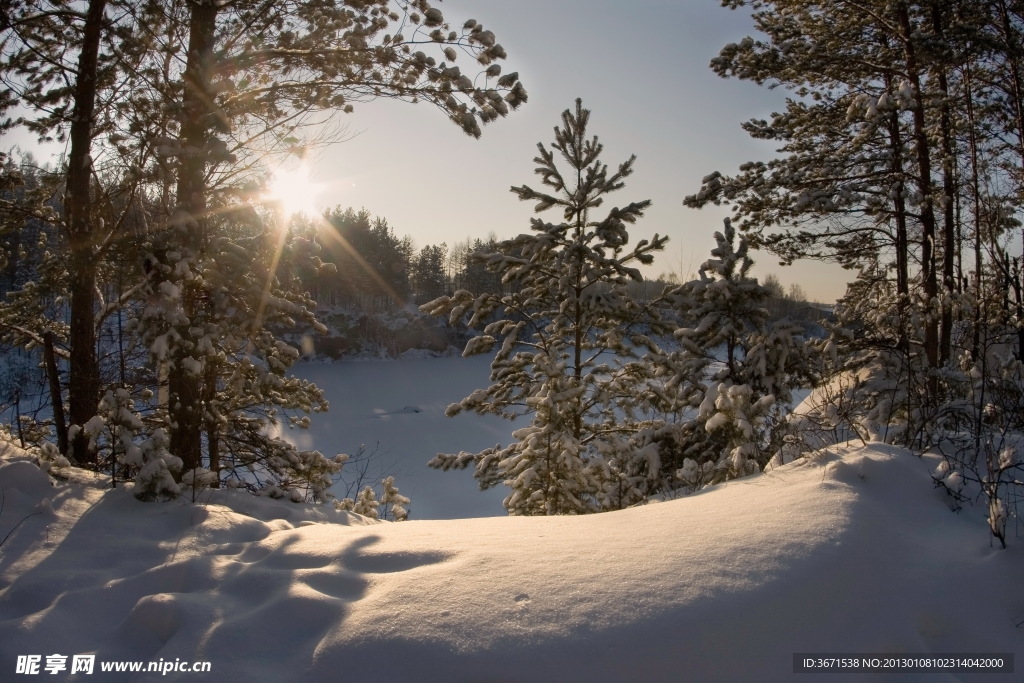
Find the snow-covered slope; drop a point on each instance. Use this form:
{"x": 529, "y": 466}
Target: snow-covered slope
{"x": 849, "y": 551}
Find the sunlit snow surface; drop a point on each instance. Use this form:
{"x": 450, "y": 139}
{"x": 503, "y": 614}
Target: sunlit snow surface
{"x": 851, "y": 551}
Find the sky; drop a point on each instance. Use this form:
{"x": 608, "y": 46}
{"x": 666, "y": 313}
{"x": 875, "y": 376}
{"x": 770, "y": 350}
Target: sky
{"x": 640, "y": 67}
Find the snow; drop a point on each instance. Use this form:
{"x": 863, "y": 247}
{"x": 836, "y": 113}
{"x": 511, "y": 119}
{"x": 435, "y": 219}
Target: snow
{"x": 398, "y": 407}
{"x": 849, "y": 550}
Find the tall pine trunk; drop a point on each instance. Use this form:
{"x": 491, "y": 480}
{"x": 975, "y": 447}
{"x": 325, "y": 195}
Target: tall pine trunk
{"x": 899, "y": 211}
{"x": 56, "y": 399}
{"x": 950, "y": 244}
{"x": 924, "y": 182}
{"x": 975, "y": 159}
{"x": 184, "y": 386}
{"x": 900, "y": 219}
{"x": 84, "y": 381}
{"x": 1012, "y": 56}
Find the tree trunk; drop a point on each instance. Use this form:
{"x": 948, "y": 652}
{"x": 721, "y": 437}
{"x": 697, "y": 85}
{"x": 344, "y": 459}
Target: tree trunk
{"x": 212, "y": 428}
{"x": 1012, "y": 56}
{"x": 185, "y": 386}
{"x": 950, "y": 245}
{"x": 924, "y": 166}
{"x": 900, "y": 218}
{"x": 56, "y": 400}
{"x": 900, "y": 215}
{"x": 84, "y": 380}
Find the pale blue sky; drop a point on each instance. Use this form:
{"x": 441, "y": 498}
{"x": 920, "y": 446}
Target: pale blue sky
{"x": 641, "y": 67}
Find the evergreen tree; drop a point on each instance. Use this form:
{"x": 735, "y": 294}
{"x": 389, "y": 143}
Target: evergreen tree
{"x": 371, "y": 263}
{"x": 241, "y": 365}
{"x": 474, "y": 274}
{"x": 32, "y": 312}
{"x": 190, "y": 102}
{"x": 392, "y": 505}
{"x": 731, "y": 381}
{"x": 429, "y": 277}
{"x": 567, "y": 339}
{"x": 234, "y": 54}
{"x": 869, "y": 144}
{"x": 902, "y": 153}
{"x": 60, "y": 89}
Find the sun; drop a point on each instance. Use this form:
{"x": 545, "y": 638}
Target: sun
{"x": 292, "y": 191}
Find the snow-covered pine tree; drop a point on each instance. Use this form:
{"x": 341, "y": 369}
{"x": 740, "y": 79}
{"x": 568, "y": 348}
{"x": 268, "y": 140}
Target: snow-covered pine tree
{"x": 238, "y": 361}
{"x": 189, "y": 111}
{"x": 391, "y": 506}
{"x": 731, "y": 380}
{"x": 60, "y": 65}
{"x": 568, "y": 340}
{"x": 31, "y": 311}
{"x": 141, "y": 452}
{"x": 327, "y": 55}
{"x": 901, "y": 111}
{"x": 396, "y": 506}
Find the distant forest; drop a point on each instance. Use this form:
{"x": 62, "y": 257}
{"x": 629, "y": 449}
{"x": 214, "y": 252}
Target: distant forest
{"x": 376, "y": 270}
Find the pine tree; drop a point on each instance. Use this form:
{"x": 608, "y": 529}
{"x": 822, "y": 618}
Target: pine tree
{"x": 193, "y": 101}
{"x": 60, "y": 90}
{"x": 395, "y": 504}
{"x": 429, "y": 277}
{"x": 731, "y": 381}
{"x": 475, "y": 276}
{"x": 370, "y": 262}
{"x": 31, "y": 308}
{"x": 568, "y": 339}
{"x": 902, "y": 149}
{"x": 869, "y": 147}
{"x": 392, "y": 505}
{"x": 210, "y": 110}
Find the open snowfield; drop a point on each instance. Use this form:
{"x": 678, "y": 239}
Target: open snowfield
{"x": 397, "y": 407}
{"x": 852, "y": 551}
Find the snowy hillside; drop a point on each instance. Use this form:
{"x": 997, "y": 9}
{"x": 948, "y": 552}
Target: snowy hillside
{"x": 850, "y": 551}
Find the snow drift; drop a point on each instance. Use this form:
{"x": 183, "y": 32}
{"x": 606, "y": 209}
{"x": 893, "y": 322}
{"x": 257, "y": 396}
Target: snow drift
{"x": 849, "y": 550}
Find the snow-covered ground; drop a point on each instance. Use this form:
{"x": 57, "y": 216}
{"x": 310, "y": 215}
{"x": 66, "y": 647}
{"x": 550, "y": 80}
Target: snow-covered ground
{"x": 397, "y": 407}
{"x": 851, "y": 551}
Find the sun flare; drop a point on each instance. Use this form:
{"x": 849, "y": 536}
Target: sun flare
{"x": 292, "y": 191}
